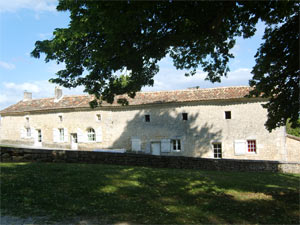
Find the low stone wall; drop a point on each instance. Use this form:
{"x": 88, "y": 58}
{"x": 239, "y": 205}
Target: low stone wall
{"x": 9, "y": 154}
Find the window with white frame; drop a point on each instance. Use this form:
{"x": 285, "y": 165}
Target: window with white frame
{"x": 217, "y": 150}
{"x": 28, "y": 132}
{"x": 91, "y": 134}
{"x": 251, "y": 146}
{"x": 176, "y": 144}
{"x": 61, "y": 134}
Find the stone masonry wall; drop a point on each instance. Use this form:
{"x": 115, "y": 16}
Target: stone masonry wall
{"x": 206, "y": 125}
{"x": 34, "y": 155}
{"x": 293, "y": 148}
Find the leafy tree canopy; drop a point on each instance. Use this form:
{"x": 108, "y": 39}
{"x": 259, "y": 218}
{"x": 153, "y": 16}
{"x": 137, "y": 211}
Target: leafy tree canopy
{"x": 105, "y": 37}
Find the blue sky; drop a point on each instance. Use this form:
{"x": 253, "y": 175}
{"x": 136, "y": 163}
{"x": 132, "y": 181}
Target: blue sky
{"x": 23, "y": 22}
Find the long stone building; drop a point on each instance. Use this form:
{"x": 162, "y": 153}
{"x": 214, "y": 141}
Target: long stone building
{"x": 209, "y": 123}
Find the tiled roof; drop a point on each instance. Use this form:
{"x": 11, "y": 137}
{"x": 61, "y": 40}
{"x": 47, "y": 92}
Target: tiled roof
{"x": 141, "y": 98}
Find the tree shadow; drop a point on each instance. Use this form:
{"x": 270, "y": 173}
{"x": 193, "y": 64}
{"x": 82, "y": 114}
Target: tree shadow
{"x": 148, "y": 195}
{"x": 168, "y": 123}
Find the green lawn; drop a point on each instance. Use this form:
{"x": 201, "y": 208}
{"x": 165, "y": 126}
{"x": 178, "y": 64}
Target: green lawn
{"x": 147, "y": 195}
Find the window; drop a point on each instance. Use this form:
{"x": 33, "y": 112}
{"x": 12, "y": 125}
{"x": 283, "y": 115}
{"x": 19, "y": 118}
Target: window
{"x": 60, "y": 118}
{"x": 91, "y": 134}
{"x": 61, "y": 134}
{"x": 147, "y": 118}
{"x": 176, "y": 144}
{"x": 98, "y": 117}
{"x": 28, "y": 132}
{"x": 251, "y": 146}
{"x": 184, "y": 116}
{"x": 227, "y": 115}
{"x": 27, "y": 119}
{"x": 217, "y": 150}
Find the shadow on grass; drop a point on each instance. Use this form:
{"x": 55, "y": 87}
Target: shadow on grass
{"x": 147, "y": 195}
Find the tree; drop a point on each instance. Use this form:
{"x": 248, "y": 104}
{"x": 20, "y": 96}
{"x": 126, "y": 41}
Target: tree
{"x": 106, "y": 37}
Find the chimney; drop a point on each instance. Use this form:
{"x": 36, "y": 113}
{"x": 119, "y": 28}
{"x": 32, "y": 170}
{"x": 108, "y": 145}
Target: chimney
{"x": 58, "y": 93}
{"x": 27, "y": 96}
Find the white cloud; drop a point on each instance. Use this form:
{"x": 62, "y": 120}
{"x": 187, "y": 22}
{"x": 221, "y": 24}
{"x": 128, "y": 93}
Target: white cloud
{"x": 35, "y": 5}
{"x": 22, "y": 87}
{"x": 11, "y": 92}
{"x": 6, "y": 65}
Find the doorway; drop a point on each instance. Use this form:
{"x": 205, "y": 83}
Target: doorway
{"x": 38, "y": 138}
{"x": 74, "y": 141}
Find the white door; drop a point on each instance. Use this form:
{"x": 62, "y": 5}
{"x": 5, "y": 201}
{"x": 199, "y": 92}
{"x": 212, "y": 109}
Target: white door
{"x": 38, "y": 137}
{"x": 155, "y": 148}
{"x": 74, "y": 141}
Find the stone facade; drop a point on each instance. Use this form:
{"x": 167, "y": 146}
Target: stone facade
{"x": 197, "y": 128}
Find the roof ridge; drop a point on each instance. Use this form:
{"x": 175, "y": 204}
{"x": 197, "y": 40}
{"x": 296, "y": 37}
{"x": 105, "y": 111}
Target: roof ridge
{"x": 142, "y": 98}
{"x": 193, "y": 89}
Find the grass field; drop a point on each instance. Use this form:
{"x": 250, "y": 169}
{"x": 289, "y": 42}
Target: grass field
{"x": 147, "y": 195}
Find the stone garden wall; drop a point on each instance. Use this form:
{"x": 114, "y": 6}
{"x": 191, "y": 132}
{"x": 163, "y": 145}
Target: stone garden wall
{"x": 10, "y": 154}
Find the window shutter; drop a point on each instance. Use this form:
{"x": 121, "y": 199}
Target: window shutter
{"x": 135, "y": 144}
{"x": 240, "y": 147}
{"x": 55, "y": 135}
{"x": 99, "y": 134}
{"x": 66, "y": 139}
{"x": 79, "y": 135}
{"x": 165, "y": 145}
{"x": 23, "y": 132}
{"x": 35, "y": 134}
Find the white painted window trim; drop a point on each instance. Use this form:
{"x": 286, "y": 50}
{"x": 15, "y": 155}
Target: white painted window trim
{"x": 213, "y": 150}
{"x": 256, "y": 148}
{"x": 181, "y": 144}
{"x": 87, "y": 135}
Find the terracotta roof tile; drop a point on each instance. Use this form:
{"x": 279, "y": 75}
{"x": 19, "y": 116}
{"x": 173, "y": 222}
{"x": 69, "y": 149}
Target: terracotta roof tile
{"x": 141, "y": 98}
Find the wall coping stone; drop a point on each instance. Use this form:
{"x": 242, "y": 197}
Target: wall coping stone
{"x": 135, "y": 159}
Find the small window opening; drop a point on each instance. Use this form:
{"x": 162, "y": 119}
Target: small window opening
{"x": 217, "y": 150}
{"x": 60, "y": 118}
{"x": 147, "y": 118}
{"x": 227, "y": 115}
{"x": 251, "y": 146}
{"x": 98, "y": 116}
{"x": 184, "y": 116}
{"x": 27, "y": 119}
{"x": 176, "y": 144}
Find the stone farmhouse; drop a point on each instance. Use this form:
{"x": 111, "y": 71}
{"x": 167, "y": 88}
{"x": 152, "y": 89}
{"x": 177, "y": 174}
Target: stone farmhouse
{"x": 208, "y": 123}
